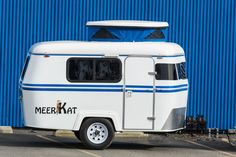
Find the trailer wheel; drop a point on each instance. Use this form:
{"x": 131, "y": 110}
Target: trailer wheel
{"x": 96, "y": 133}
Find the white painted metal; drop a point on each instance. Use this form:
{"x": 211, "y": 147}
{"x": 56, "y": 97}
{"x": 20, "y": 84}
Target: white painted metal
{"x": 138, "y": 106}
{"x": 49, "y": 72}
{"x": 128, "y": 23}
{"x": 107, "y": 48}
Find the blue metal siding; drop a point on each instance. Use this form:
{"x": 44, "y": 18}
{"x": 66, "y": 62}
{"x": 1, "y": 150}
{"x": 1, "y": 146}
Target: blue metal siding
{"x": 206, "y": 29}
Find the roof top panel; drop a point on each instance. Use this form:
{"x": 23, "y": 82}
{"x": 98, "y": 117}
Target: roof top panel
{"x": 104, "y": 48}
{"x": 127, "y": 23}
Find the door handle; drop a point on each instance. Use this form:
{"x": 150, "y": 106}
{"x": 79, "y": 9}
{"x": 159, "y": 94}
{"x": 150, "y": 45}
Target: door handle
{"x": 151, "y": 118}
{"x": 152, "y": 73}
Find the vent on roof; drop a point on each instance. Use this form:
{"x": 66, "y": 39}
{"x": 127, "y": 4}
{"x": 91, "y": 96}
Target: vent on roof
{"x": 157, "y": 34}
{"x": 104, "y": 34}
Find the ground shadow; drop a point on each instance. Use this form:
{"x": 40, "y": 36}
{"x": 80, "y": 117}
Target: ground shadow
{"x": 15, "y": 140}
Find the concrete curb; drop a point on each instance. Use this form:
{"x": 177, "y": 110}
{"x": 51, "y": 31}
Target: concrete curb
{"x": 6, "y": 130}
{"x": 67, "y": 133}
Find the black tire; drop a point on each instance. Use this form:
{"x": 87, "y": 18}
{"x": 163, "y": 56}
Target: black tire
{"x": 96, "y": 133}
{"x": 77, "y": 134}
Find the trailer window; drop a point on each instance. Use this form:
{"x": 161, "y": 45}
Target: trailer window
{"x": 104, "y": 34}
{"x": 108, "y": 69}
{"x": 94, "y": 70}
{"x": 157, "y": 34}
{"x": 181, "y": 70}
{"x": 166, "y": 72}
{"x": 80, "y": 70}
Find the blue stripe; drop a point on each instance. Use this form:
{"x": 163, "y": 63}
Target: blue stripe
{"x": 141, "y": 91}
{"x": 69, "y": 85}
{"x": 172, "y": 91}
{"x": 89, "y": 85}
{"x": 125, "y": 55}
{"x": 175, "y": 86}
{"x": 101, "y": 90}
{"x": 72, "y": 90}
{"x": 169, "y": 56}
{"x": 41, "y": 54}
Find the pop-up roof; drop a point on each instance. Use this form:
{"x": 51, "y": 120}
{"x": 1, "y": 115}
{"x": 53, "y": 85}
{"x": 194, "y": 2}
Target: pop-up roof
{"x": 127, "y": 31}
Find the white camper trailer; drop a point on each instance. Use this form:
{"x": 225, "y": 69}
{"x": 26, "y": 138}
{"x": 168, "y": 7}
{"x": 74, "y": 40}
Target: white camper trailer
{"x": 98, "y": 88}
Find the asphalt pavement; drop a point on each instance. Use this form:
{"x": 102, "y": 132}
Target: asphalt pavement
{"x": 39, "y": 144}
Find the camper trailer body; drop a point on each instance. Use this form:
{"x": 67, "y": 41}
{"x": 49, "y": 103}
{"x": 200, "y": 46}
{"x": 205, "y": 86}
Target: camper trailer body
{"x": 134, "y": 81}
{"x": 134, "y": 101}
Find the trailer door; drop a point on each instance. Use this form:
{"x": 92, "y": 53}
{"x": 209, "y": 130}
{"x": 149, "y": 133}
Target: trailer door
{"x": 139, "y": 94}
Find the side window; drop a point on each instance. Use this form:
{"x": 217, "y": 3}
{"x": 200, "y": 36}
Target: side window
{"x": 94, "y": 70}
{"x": 165, "y": 72}
{"x": 104, "y": 34}
{"x": 108, "y": 69}
{"x": 157, "y": 34}
{"x": 80, "y": 70}
{"x": 181, "y": 70}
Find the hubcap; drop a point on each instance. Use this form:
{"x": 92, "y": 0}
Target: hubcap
{"x": 97, "y": 133}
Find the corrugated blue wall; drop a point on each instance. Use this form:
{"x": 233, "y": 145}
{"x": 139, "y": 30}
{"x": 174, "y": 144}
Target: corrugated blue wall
{"x": 204, "y": 28}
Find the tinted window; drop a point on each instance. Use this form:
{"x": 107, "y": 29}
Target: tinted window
{"x": 166, "y": 72}
{"x": 104, "y": 34}
{"x": 107, "y": 69}
{"x": 81, "y": 70}
{"x": 181, "y": 71}
{"x": 94, "y": 70}
{"x": 157, "y": 34}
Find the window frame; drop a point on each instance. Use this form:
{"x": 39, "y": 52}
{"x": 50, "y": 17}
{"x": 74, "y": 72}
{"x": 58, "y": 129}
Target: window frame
{"x": 94, "y": 70}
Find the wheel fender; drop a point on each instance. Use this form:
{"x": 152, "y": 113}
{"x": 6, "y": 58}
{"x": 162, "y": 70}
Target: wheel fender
{"x": 99, "y": 114}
